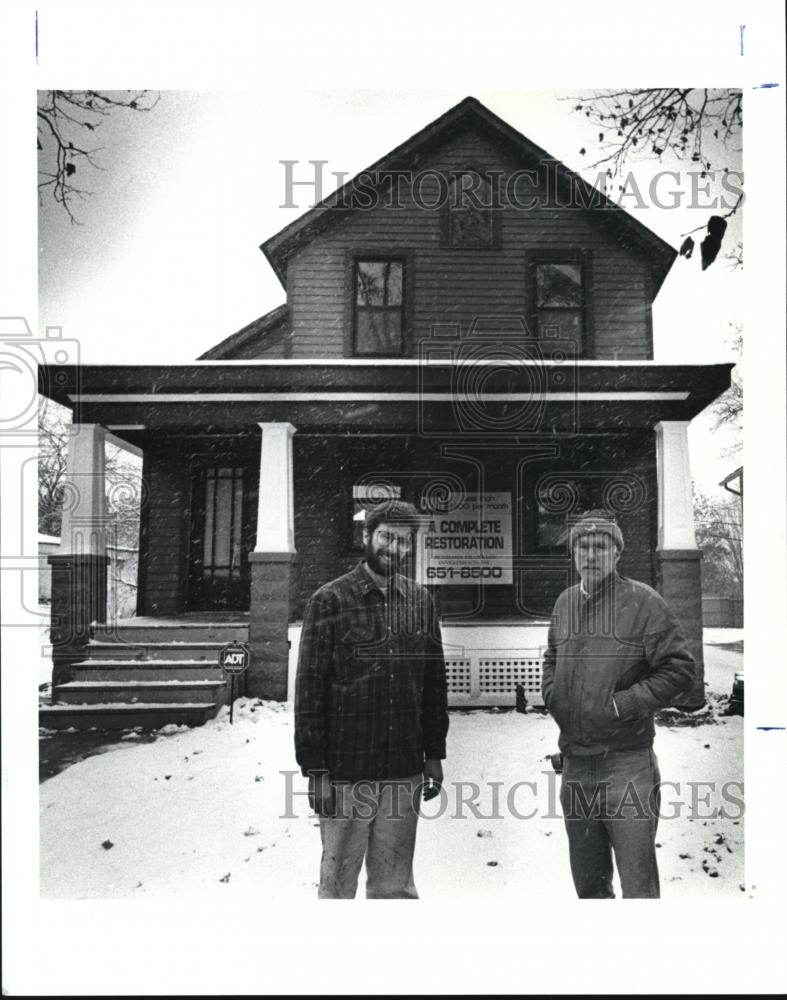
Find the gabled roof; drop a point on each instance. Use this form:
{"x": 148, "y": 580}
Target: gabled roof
{"x": 411, "y": 154}
{"x": 263, "y": 332}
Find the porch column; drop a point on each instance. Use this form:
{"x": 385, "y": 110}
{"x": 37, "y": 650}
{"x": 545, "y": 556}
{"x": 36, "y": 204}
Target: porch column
{"x": 271, "y": 566}
{"x": 677, "y": 561}
{"x": 79, "y": 570}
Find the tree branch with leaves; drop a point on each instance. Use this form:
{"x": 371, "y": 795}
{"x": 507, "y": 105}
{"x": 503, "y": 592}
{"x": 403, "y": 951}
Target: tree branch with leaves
{"x": 699, "y": 126}
{"x": 68, "y": 121}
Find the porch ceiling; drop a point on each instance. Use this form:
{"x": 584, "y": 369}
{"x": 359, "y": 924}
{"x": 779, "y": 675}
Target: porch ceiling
{"x": 478, "y": 397}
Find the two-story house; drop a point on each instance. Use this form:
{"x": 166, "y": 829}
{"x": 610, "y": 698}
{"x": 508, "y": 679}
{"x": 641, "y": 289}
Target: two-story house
{"x": 467, "y": 325}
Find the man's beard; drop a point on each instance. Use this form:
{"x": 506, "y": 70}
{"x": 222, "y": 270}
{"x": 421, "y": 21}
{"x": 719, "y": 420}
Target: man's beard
{"x": 387, "y": 568}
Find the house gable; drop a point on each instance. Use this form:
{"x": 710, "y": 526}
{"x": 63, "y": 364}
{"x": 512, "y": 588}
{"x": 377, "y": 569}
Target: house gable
{"x": 398, "y": 211}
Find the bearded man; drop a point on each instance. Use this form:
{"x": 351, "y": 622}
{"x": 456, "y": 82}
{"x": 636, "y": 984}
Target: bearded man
{"x": 371, "y": 713}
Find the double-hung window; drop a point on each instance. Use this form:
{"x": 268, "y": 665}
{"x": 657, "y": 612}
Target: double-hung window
{"x": 559, "y": 297}
{"x": 378, "y": 301}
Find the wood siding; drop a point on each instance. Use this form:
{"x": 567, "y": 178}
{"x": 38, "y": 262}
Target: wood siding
{"x": 458, "y": 286}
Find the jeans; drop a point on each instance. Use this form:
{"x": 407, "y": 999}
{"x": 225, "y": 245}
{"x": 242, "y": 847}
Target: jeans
{"x": 611, "y": 805}
{"x": 375, "y": 820}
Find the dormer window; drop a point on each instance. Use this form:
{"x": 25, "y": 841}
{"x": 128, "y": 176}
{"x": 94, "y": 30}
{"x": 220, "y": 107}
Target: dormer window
{"x": 378, "y": 323}
{"x": 468, "y": 219}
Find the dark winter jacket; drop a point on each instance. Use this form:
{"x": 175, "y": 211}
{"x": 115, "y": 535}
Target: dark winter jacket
{"x": 613, "y": 658}
{"x": 370, "y": 693}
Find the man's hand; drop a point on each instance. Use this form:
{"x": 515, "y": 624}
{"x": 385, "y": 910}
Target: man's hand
{"x": 322, "y": 796}
{"x": 433, "y": 779}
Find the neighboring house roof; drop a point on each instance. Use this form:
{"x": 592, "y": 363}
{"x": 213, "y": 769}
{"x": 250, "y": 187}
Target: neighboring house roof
{"x": 411, "y": 154}
{"x": 261, "y": 333}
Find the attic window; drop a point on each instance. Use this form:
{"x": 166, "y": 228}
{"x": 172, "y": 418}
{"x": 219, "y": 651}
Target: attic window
{"x": 379, "y": 307}
{"x": 468, "y": 219}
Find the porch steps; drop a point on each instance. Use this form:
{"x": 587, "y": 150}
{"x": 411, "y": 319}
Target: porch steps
{"x": 140, "y": 631}
{"x": 136, "y": 691}
{"x": 147, "y": 715}
{"x": 145, "y": 673}
{"x": 147, "y": 669}
{"x": 136, "y": 650}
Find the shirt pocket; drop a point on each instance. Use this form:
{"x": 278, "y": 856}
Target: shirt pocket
{"x": 357, "y": 653}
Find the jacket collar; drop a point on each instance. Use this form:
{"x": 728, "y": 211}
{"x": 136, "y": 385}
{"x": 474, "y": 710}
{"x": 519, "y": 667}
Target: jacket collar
{"x": 606, "y": 589}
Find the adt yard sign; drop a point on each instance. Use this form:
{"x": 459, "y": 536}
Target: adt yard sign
{"x": 233, "y": 660}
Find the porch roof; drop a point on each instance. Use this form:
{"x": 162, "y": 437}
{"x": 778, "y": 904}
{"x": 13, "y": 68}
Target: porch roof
{"x": 388, "y": 393}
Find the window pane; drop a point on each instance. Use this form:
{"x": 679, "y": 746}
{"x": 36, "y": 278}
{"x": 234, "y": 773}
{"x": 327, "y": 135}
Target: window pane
{"x": 378, "y": 331}
{"x": 564, "y": 324}
{"x": 551, "y": 530}
{"x": 559, "y": 285}
{"x": 207, "y": 550}
{"x": 221, "y": 549}
{"x": 237, "y": 522}
{"x": 379, "y": 283}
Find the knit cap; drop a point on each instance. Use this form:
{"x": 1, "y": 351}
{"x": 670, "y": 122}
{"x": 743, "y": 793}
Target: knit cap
{"x": 595, "y": 522}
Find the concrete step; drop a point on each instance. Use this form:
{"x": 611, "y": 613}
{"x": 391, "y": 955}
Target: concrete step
{"x": 144, "y": 630}
{"x": 150, "y": 715}
{"x": 101, "y": 650}
{"x": 138, "y": 692}
{"x": 127, "y": 669}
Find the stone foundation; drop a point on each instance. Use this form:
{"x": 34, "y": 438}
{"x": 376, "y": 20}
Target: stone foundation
{"x": 269, "y": 615}
{"x": 678, "y": 581}
{"x": 79, "y": 597}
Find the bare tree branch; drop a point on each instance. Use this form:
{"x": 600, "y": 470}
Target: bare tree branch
{"x": 65, "y": 119}
{"x": 719, "y": 530}
{"x": 699, "y": 126}
{"x": 728, "y": 408}
{"x": 652, "y": 122}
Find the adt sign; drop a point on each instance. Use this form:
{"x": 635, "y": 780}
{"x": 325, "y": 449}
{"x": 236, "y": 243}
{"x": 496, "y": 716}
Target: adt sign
{"x": 233, "y": 660}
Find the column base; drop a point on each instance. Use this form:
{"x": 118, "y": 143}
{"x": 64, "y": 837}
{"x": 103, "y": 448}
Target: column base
{"x": 79, "y": 597}
{"x": 269, "y": 618}
{"x": 679, "y": 581}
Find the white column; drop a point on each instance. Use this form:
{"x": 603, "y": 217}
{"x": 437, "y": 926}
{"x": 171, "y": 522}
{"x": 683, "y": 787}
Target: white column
{"x": 276, "y": 508}
{"x": 84, "y": 525}
{"x": 675, "y": 502}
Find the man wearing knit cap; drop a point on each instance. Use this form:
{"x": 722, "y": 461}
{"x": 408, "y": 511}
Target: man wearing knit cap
{"x": 615, "y": 655}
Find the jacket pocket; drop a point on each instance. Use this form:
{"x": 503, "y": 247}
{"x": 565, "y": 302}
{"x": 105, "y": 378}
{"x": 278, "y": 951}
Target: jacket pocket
{"x": 597, "y": 718}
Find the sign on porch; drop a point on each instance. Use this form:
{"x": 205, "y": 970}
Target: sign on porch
{"x": 468, "y": 540}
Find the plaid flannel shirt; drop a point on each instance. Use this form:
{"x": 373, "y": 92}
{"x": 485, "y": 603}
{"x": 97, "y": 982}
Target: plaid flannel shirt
{"x": 370, "y": 693}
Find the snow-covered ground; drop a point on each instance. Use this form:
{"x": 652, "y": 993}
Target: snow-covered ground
{"x": 205, "y": 813}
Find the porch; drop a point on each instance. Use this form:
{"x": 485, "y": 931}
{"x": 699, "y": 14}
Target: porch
{"x": 246, "y": 513}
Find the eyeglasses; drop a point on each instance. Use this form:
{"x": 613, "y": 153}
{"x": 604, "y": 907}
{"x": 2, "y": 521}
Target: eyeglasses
{"x": 403, "y": 542}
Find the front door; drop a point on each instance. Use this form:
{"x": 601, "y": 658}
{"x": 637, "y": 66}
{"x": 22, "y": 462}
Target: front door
{"x": 222, "y": 535}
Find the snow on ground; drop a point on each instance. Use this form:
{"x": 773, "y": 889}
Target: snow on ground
{"x": 721, "y": 636}
{"x": 204, "y": 813}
